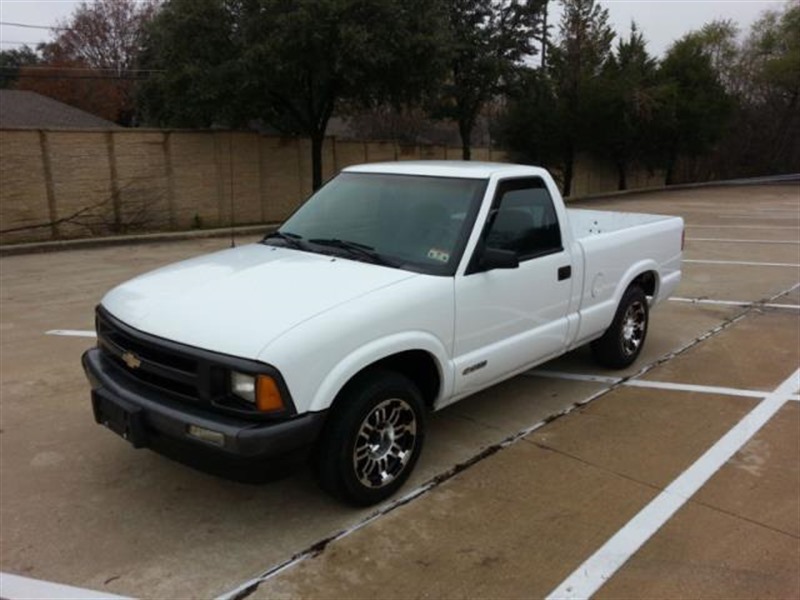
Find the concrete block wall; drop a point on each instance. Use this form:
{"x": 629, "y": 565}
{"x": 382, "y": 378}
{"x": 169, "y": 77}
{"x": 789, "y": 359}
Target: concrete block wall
{"x": 60, "y": 184}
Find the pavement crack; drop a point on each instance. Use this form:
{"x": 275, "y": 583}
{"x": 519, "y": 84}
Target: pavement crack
{"x": 739, "y": 517}
{"x": 473, "y": 420}
{"x": 594, "y": 465}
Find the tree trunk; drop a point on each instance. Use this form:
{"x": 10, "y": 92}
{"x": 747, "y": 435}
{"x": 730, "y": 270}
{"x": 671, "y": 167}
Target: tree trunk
{"x": 544, "y": 36}
{"x": 670, "y": 176}
{"x": 622, "y": 171}
{"x": 569, "y": 166}
{"x": 465, "y": 131}
{"x": 317, "y": 140}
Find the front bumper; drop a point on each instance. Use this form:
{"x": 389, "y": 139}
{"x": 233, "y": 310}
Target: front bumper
{"x": 147, "y": 418}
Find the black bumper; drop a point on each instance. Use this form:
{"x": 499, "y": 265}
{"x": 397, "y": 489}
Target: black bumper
{"x": 149, "y": 419}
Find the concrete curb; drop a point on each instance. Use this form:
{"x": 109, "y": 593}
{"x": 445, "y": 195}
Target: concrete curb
{"x": 794, "y": 177}
{"x": 144, "y": 238}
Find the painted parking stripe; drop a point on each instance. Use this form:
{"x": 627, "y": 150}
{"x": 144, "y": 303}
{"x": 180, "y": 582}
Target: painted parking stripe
{"x": 72, "y": 332}
{"x": 601, "y": 566}
{"x": 688, "y": 239}
{"x": 740, "y": 263}
{"x": 658, "y": 385}
{"x": 733, "y": 303}
{"x": 690, "y": 387}
{"x": 15, "y": 587}
{"x": 574, "y": 376}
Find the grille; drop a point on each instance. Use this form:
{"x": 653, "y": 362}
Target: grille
{"x": 147, "y": 362}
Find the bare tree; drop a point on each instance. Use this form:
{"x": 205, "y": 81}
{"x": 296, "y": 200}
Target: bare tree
{"x": 106, "y": 34}
{"x": 106, "y": 37}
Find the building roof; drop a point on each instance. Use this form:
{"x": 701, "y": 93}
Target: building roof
{"x": 28, "y": 109}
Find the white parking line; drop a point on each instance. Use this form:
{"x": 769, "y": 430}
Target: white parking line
{"x": 690, "y": 387}
{"x": 740, "y": 263}
{"x": 741, "y": 303}
{"x": 15, "y": 587}
{"x": 601, "y": 566}
{"x": 688, "y": 239}
{"x": 573, "y": 376}
{"x": 72, "y": 332}
{"x": 658, "y": 385}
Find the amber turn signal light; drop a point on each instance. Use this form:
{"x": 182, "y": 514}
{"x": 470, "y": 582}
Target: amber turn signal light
{"x": 268, "y": 396}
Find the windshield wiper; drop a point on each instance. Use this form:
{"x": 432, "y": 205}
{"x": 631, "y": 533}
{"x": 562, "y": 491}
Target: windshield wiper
{"x": 356, "y": 249}
{"x": 292, "y": 239}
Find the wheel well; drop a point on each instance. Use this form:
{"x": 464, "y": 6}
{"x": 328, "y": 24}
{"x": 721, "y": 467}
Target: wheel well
{"x": 419, "y": 366}
{"x": 648, "y": 282}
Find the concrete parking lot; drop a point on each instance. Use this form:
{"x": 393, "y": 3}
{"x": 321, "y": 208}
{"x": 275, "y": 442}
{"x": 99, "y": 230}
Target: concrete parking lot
{"x": 678, "y": 477}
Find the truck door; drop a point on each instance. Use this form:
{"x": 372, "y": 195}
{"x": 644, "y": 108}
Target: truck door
{"x": 509, "y": 318}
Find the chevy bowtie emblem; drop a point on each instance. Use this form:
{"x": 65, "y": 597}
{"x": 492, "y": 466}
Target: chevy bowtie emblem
{"x": 131, "y": 360}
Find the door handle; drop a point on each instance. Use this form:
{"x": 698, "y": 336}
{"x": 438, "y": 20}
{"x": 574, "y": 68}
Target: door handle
{"x": 564, "y": 272}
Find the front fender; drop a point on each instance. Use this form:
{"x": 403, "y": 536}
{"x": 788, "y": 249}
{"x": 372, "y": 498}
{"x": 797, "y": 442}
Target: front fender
{"x": 377, "y": 350}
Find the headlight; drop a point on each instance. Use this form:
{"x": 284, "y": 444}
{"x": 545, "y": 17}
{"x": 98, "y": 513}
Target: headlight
{"x": 244, "y": 386}
{"x": 260, "y": 390}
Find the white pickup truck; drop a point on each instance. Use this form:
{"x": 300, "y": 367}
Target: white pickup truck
{"x": 396, "y": 289}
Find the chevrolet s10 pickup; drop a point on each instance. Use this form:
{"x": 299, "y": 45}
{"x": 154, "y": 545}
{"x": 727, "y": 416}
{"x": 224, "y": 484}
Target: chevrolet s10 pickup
{"x": 394, "y": 290}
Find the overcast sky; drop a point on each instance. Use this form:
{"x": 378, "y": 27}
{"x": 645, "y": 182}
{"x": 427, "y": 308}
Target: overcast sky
{"x": 662, "y": 21}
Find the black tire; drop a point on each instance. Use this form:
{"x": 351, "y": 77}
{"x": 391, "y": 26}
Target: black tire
{"x": 622, "y": 342}
{"x": 363, "y": 470}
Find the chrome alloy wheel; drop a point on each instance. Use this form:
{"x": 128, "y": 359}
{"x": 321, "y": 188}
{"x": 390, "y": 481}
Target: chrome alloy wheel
{"x": 633, "y": 327}
{"x": 385, "y": 443}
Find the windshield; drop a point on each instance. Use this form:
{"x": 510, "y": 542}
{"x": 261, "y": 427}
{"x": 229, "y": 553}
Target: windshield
{"x": 412, "y": 222}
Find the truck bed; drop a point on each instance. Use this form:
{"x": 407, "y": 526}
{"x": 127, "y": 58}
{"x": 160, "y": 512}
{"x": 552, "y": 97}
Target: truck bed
{"x": 586, "y": 223}
{"x": 614, "y": 244}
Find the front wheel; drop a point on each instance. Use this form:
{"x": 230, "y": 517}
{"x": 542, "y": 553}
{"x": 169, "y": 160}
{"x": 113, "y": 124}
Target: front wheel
{"x": 373, "y": 440}
{"x": 622, "y": 342}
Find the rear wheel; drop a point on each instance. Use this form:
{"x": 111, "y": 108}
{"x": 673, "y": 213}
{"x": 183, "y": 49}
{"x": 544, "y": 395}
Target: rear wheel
{"x": 373, "y": 440}
{"x": 622, "y": 342}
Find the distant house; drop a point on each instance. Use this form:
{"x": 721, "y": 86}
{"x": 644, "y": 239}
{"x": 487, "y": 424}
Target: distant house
{"x": 21, "y": 109}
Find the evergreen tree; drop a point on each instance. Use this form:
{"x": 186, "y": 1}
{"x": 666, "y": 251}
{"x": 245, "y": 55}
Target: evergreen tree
{"x": 575, "y": 63}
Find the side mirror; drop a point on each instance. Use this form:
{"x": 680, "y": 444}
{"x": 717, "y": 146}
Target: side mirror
{"x": 494, "y": 258}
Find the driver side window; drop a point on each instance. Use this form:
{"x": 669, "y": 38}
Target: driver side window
{"x": 524, "y": 220}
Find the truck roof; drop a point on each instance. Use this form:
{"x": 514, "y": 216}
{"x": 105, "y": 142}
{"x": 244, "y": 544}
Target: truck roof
{"x": 447, "y": 168}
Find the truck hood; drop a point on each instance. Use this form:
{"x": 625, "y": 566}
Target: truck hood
{"x": 237, "y": 301}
